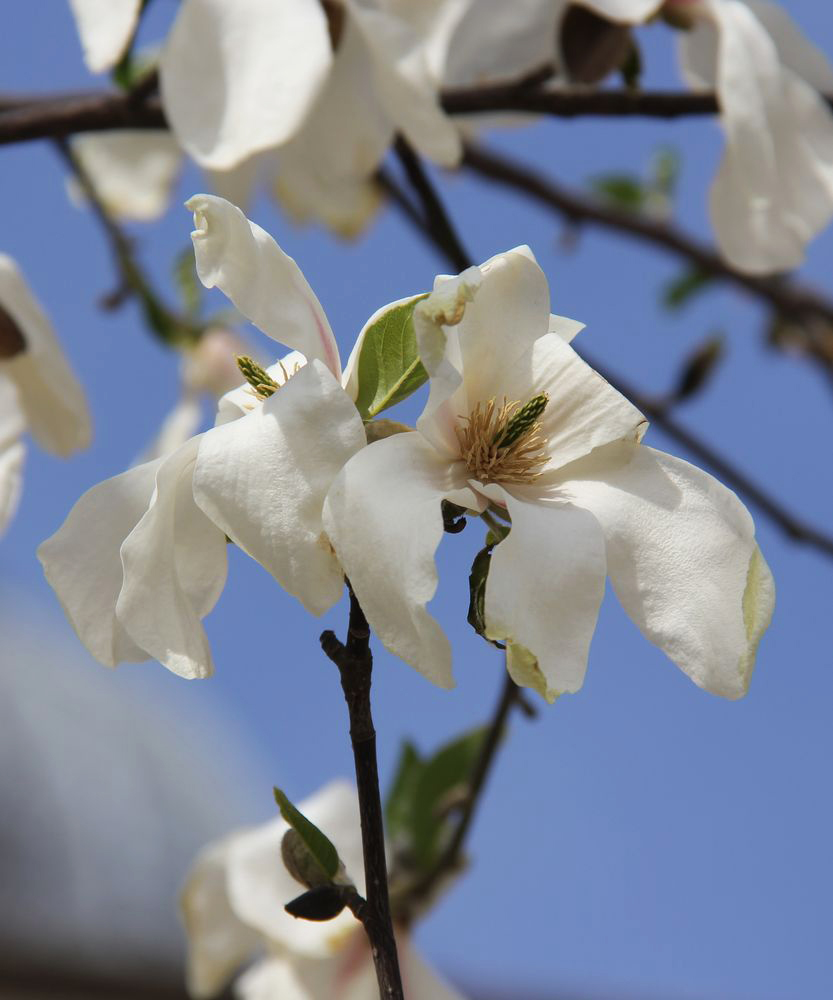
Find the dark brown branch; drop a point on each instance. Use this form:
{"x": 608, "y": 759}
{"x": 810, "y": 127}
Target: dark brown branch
{"x": 437, "y": 218}
{"x": 659, "y": 414}
{"x": 355, "y": 663}
{"x": 786, "y": 297}
{"x": 56, "y": 117}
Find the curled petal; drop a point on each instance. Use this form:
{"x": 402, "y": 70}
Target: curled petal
{"x": 545, "y": 585}
{"x": 50, "y": 396}
{"x": 263, "y": 478}
{"x": 174, "y": 564}
{"x": 795, "y": 51}
{"x": 218, "y": 942}
{"x": 82, "y": 563}
{"x": 105, "y": 28}
{"x": 12, "y": 454}
{"x": 266, "y": 285}
{"x": 383, "y": 516}
{"x": 682, "y": 557}
{"x": 237, "y": 78}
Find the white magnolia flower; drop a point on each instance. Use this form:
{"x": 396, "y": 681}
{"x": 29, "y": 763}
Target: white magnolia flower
{"x": 38, "y": 389}
{"x": 141, "y": 558}
{"x": 515, "y": 419}
{"x": 233, "y": 907}
{"x": 105, "y": 28}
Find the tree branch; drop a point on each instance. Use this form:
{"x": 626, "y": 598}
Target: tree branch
{"x": 786, "y": 297}
{"x": 355, "y": 663}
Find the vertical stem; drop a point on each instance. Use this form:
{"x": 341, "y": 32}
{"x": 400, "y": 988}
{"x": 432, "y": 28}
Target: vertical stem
{"x": 355, "y": 663}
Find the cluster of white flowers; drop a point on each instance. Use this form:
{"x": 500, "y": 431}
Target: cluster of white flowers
{"x": 515, "y": 422}
{"x": 311, "y": 94}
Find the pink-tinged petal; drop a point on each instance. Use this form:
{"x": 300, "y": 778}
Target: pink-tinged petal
{"x": 174, "y": 564}
{"x": 682, "y": 557}
{"x": 545, "y": 585}
{"x": 266, "y": 285}
{"x": 49, "y": 394}
{"x": 383, "y": 516}
{"x": 238, "y": 78}
{"x": 263, "y": 480}
{"x": 105, "y": 28}
{"x": 81, "y": 561}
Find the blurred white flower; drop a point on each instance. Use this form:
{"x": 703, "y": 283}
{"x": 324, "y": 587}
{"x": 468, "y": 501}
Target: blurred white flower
{"x": 515, "y": 419}
{"x": 38, "y": 390}
{"x": 141, "y": 558}
{"x": 233, "y": 907}
{"x": 105, "y": 28}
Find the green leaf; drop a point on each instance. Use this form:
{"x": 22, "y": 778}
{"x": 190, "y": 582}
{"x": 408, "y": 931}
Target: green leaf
{"x": 320, "y": 847}
{"x": 187, "y": 283}
{"x": 400, "y": 798}
{"x": 677, "y": 292}
{"x": 621, "y": 191}
{"x": 477, "y": 580}
{"x": 449, "y": 769}
{"x": 631, "y": 68}
{"x": 389, "y": 369}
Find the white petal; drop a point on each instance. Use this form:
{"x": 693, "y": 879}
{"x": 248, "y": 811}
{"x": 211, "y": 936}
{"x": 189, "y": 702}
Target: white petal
{"x": 795, "y": 51}
{"x": 50, "y": 396}
{"x": 11, "y": 481}
{"x": 263, "y": 479}
{"x": 180, "y": 424}
{"x": 105, "y": 28}
{"x": 384, "y": 518}
{"x": 405, "y": 85}
{"x": 624, "y": 11}
{"x": 82, "y": 563}
{"x": 218, "y": 943}
{"x": 240, "y": 77}
{"x": 237, "y": 184}
{"x": 565, "y": 328}
{"x": 174, "y": 564}
{"x": 419, "y": 981}
{"x": 266, "y": 285}
{"x": 683, "y": 560}
{"x": 545, "y": 584}
{"x": 259, "y": 885}
{"x": 290, "y": 978}
{"x": 243, "y": 399}
{"x": 133, "y": 171}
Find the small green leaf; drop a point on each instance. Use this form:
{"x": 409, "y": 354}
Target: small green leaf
{"x": 449, "y": 769}
{"x": 699, "y": 367}
{"x": 665, "y": 171}
{"x": 186, "y": 280}
{"x": 400, "y": 799}
{"x": 677, "y": 292}
{"x": 631, "y": 68}
{"x": 622, "y": 191}
{"x": 320, "y": 847}
{"x": 389, "y": 369}
{"x": 477, "y": 590}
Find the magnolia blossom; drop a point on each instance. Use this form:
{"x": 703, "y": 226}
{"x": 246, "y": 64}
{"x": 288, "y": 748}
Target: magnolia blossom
{"x": 233, "y": 907}
{"x": 141, "y": 558}
{"x": 38, "y": 390}
{"x": 105, "y": 28}
{"x": 518, "y": 424}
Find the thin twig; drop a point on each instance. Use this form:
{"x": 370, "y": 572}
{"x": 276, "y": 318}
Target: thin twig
{"x": 436, "y": 216}
{"x": 168, "y": 326}
{"x": 355, "y": 663}
{"x": 789, "y": 296}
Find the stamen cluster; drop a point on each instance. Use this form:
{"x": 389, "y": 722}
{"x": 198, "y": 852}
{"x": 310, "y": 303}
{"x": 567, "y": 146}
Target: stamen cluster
{"x": 504, "y": 444}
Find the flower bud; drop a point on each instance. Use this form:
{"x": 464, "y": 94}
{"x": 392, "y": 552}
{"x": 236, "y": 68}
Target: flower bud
{"x": 591, "y": 46}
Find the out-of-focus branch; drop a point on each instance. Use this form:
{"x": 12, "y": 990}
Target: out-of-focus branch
{"x": 62, "y": 116}
{"x": 166, "y": 324}
{"x": 573, "y": 207}
{"x": 788, "y": 298}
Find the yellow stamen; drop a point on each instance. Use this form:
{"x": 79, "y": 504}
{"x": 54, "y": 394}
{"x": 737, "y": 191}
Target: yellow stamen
{"x": 487, "y": 458}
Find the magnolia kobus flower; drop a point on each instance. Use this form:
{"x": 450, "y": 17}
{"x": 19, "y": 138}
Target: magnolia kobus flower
{"x": 774, "y": 189}
{"x": 516, "y": 424}
{"x": 38, "y": 390}
{"x": 233, "y": 908}
{"x": 310, "y": 94}
{"x": 141, "y": 558}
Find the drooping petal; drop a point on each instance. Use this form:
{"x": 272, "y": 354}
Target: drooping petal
{"x": 383, "y": 516}
{"x": 404, "y": 83}
{"x": 174, "y": 564}
{"x": 795, "y": 50}
{"x": 105, "y": 28}
{"x": 545, "y": 585}
{"x": 237, "y": 78}
{"x": 565, "y": 328}
{"x": 259, "y": 885}
{"x": 133, "y": 171}
{"x": 292, "y": 978}
{"x": 266, "y": 285}
{"x": 50, "y": 396}
{"x": 263, "y": 479}
{"x": 218, "y": 942}
{"x": 82, "y": 563}
{"x": 180, "y": 424}
{"x": 683, "y": 560}
{"x": 12, "y": 454}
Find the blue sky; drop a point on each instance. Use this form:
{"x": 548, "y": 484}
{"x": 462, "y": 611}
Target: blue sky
{"x": 639, "y": 839}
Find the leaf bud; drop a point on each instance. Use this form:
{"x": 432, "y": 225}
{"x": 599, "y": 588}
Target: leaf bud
{"x": 300, "y": 862}
{"x": 591, "y": 46}
{"x": 324, "y": 902}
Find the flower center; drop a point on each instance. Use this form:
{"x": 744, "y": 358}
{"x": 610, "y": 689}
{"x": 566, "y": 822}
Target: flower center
{"x": 260, "y": 381}
{"x": 504, "y": 444}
